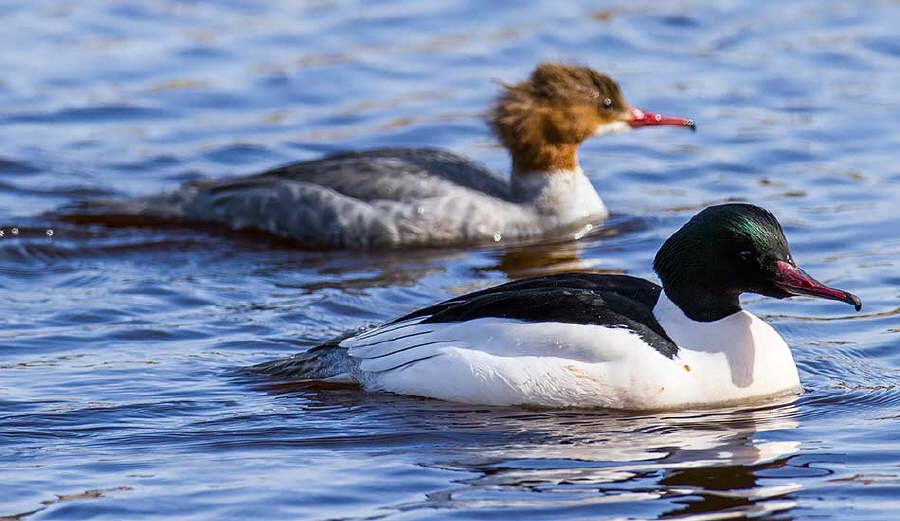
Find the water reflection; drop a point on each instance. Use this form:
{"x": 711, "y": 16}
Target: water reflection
{"x": 697, "y": 462}
{"x": 548, "y": 256}
{"x": 694, "y": 465}
{"x": 391, "y": 268}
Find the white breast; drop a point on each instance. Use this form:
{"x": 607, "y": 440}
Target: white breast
{"x": 736, "y": 358}
{"x": 567, "y": 195}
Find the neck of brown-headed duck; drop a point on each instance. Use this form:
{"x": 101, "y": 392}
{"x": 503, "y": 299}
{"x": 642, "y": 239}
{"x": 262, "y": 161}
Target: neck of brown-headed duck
{"x": 528, "y": 159}
{"x": 557, "y": 189}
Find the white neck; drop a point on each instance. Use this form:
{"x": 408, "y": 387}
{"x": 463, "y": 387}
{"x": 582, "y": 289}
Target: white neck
{"x": 566, "y": 194}
{"x": 733, "y": 358}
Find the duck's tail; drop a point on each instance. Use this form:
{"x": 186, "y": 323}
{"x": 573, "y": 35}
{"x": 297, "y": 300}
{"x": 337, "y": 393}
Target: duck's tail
{"x": 139, "y": 211}
{"x": 326, "y": 362}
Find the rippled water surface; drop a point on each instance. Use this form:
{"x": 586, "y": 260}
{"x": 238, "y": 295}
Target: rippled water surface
{"x": 119, "y": 395}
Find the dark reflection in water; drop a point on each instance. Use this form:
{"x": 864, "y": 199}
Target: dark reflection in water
{"x": 554, "y": 256}
{"x": 697, "y": 462}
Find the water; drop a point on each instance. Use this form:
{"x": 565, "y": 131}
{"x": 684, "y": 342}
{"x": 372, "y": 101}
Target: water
{"x": 119, "y": 396}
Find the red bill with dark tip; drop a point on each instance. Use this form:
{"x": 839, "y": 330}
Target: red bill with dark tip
{"x": 797, "y": 282}
{"x": 641, "y": 118}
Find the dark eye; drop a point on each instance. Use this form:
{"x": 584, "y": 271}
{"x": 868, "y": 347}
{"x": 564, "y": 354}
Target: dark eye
{"x": 607, "y": 103}
{"x": 747, "y": 256}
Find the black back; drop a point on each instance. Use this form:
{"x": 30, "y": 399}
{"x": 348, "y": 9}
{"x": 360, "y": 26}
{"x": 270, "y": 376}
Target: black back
{"x": 574, "y": 298}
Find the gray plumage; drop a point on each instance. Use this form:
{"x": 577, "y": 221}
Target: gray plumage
{"x": 326, "y": 362}
{"x": 386, "y": 197}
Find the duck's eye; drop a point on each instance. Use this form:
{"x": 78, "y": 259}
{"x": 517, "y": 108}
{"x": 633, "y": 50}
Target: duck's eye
{"x": 607, "y": 103}
{"x": 747, "y": 256}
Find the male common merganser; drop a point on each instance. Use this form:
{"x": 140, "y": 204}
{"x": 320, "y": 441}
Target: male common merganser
{"x": 596, "y": 340}
{"x": 392, "y": 197}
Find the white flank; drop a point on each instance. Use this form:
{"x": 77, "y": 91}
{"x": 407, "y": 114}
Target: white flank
{"x": 739, "y": 357}
{"x": 502, "y": 362}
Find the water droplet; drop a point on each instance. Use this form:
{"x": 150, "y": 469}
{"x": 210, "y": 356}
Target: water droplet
{"x": 49, "y": 233}
{"x": 15, "y": 231}
{"x": 497, "y": 237}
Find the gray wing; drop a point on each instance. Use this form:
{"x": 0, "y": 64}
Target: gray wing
{"x": 381, "y": 174}
{"x": 359, "y": 199}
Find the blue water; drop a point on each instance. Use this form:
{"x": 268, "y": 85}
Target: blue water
{"x": 119, "y": 395}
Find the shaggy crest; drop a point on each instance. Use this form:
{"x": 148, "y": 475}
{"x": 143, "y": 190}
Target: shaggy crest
{"x": 542, "y": 120}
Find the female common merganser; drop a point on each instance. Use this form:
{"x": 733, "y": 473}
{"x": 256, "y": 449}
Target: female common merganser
{"x": 592, "y": 340}
{"x": 392, "y": 197}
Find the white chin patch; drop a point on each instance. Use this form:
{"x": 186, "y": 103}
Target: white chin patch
{"x": 612, "y": 128}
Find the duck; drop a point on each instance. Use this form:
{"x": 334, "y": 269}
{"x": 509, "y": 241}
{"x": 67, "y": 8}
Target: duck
{"x": 581, "y": 339}
{"x": 406, "y": 197}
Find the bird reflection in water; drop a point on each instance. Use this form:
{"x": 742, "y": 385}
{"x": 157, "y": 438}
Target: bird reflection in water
{"x": 702, "y": 464}
{"x": 393, "y": 268}
{"x": 694, "y": 462}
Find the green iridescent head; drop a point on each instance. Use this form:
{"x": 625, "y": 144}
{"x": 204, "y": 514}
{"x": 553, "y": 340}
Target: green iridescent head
{"x": 727, "y": 250}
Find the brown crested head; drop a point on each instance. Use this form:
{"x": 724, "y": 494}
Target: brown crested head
{"x": 543, "y": 120}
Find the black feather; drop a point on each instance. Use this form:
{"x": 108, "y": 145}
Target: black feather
{"x": 573, "y": 298}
